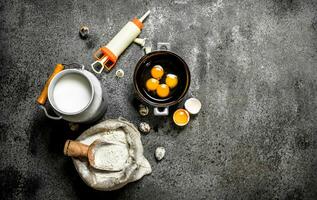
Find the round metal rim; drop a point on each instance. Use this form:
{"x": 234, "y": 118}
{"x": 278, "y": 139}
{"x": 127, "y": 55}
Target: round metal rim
{"x": 59, "y": 76}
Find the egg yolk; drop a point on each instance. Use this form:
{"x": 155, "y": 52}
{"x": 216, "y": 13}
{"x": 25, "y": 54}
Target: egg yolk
{"x": 157, "y": 72}
{"x": 151, "y": 84}
{"x": 171, "y": 80}
{"x": 162, "y": 90}
{"x": 181, "y": 117}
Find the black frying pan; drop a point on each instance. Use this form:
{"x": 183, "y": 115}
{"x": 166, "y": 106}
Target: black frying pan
{"x": 171, "y": 63}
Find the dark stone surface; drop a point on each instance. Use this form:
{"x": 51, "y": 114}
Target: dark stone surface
{"x": 253, "y": 65}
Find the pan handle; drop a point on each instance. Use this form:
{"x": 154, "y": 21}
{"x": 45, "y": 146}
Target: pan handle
{"x": 163, "y": 46}
{"x": 157, "y": 112}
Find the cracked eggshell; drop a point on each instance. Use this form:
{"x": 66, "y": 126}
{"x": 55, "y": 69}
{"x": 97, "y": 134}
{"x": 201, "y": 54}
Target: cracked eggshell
{"x": 193, "y": 106}
{"x": 73, "y": 126}
{"x": 84, "y": 32}
{"x": 119, "y": 73}
{"x": 159, "y": 153}
{"x": 143, "y": 110}
{"x": 144, "y": 127}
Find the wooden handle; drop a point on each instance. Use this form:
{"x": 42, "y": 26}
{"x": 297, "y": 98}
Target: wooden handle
{"x": 75, "y": 149}
{"x": 43, "y": 96}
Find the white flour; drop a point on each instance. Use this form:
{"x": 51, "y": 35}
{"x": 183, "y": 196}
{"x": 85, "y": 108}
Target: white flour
{"x": 124, "y": 157}
{"x": 112, "y": 156}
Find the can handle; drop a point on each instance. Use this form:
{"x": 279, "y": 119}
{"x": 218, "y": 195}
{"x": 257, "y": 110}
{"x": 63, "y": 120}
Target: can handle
{"x": 41, "y": 100}
{"x": 77, "y": 65}
{"x": 43, "y": 96}
{"x": 157, "y": 112}
{"x": 48, "y": 115}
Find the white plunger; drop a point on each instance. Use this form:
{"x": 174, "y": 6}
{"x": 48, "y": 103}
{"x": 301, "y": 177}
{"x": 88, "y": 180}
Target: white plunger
{"x": 107, "y": 56}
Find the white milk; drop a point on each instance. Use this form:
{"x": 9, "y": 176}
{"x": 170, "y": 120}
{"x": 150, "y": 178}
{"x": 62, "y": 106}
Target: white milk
{"x": 72, "y": 93}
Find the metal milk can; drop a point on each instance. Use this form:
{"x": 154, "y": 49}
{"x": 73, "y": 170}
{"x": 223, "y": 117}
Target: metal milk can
{"x": 74, "y": 94}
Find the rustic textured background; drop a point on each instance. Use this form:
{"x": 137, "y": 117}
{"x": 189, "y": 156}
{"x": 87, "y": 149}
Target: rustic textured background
{"x": 253, "y": 65}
